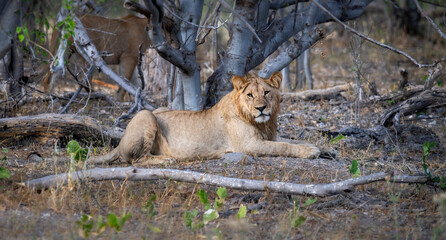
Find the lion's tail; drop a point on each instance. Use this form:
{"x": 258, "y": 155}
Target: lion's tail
{"x": 106, "y": 158}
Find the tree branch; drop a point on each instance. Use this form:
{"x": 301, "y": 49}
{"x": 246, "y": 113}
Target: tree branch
{"x": 164, "y": 49}
{"x": 309, "y": 37}
{"x": 372, "y": 40}
{"x": 55, "y": 125}
{"x": 317, "y": 94}
{"x": 242, "y": 19}
{"x": 429, "y": 19}
{"x": 138, "y": 174}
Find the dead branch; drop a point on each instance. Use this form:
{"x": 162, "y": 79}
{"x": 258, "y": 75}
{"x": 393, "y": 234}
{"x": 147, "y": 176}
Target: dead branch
{"x": 429, "y": 19}
{"x": 318, "y": 94}
{"x": 46, "y": 126}
{"x": 433, "y": 75}
{"x": 410, "y": 106}
{"x": 420, "y": 65}
{"x": 139, "y": 174}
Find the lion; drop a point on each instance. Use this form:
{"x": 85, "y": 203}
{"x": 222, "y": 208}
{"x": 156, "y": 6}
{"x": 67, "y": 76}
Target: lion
{"x": 119, "y": 39}
{"x": 244, "y": 120}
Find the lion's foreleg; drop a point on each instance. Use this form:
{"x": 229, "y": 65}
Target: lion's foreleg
{"x": 270, "y": 148}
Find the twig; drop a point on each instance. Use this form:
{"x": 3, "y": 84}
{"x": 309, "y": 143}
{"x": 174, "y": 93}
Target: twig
{"x": 64, "y": 109}
{"x": 429, "y": 19}
{"x": 197, "y": 25}
{"x": 433, "y": 3}
{"x": 86, "y": 77}
{"x": 374, "y": 41}
{"x": 132, "y": 109}
{"x": 139, "y": 174}
{"x": 251, "y": 29}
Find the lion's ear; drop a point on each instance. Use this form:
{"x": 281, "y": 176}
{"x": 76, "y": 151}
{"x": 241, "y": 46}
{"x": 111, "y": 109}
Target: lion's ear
{"x": 275, "y": 80}
{"x": 239, "y": 82}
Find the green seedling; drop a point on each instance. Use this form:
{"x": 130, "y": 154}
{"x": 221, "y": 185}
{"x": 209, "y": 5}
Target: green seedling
{"x": 149, "y": 207}
{"x": 222, "y": 194}
{"x": 338, "y": 138}
{"x": 310, "y": 201}
{"x": 354, "y": 169}
{"x": 4, "y": 173}
{"x": 118, "y": 222}
{"x": 203, "y": 196}
{"x": 86, "y": 223}
{"x": 427, "y": 148}
{"x": 210, "y": 215}
{"x": 77, "y": 153}
{"x": 295, "y": 218}
{"x": 189, "y": 217}
{"x": 242, "y": 212}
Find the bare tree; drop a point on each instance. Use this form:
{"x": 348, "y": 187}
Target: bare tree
{"x": 255, "y": 33}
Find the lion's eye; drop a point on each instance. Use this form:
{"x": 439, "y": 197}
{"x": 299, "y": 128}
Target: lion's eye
{"x": 250, "y": 95}
{"x": 265, "y": 93}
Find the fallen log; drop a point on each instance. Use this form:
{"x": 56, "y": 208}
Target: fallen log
{"x": 416, "y": 103}
{"x": 139, "y": 174}
{"x": 318, "y": 94}
{"x": 47, "y": 126}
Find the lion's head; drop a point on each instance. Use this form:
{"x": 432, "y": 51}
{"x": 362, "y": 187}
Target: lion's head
{"x": 257, "y": 99}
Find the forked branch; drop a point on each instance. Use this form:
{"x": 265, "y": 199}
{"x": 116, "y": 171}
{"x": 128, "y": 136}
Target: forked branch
{"x": 420, "y": 65}
{"x": 139, "y": 174}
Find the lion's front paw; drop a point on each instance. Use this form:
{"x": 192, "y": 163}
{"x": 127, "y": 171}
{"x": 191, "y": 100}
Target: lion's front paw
{"x": 309, "y": 151}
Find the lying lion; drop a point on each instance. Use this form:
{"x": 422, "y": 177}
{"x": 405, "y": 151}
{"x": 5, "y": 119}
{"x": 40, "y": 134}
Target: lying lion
{"x": 245, "y": 120}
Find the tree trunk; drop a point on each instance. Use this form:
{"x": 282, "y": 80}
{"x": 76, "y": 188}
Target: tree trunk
{"x": 48, "y": 126}
{"x": 191, "y": 81}
{"x": 156, "y": 71}
{"x": 286, "y": 84}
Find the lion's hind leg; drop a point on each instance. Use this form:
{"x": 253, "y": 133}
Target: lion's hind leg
{"x": 149, "y": 160}
{"x": 139, "y": 137}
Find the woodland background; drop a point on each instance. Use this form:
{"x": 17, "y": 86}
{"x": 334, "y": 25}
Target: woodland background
{"x": 383, "y": 109}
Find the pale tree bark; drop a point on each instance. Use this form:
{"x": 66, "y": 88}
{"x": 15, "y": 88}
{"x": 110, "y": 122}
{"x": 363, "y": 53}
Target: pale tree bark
{"x": 10, "y": 19}
{"x": 138, "y": 174}
{"x": 279, "y": 31}
{"x": 191, "y": 11}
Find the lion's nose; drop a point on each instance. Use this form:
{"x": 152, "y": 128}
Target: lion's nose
{"x": 261, "y": 108}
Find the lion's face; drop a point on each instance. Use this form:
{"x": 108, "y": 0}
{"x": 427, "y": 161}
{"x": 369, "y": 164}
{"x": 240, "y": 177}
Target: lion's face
{"x": 257, "y": 99}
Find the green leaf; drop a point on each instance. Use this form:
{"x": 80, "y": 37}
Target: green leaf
{"x": 210, "y": 215}
{"x": 73, "y": 147}
{"x": 189, "y": 217}
{"x": 18, "y": 30}
{"x": 21, "y": 37}
{"x": 81, "y": 155}
{"x": 242, "y": 212}
{"x": 5, "y": 150}
{"x": 85, "y": 224}
{"x": 222, "y": 193}
{"x": 427, "y": 146}
{"x": 100, "y": 225}
{"x": 310, "y": 201}
{"x": 4, "y": 173}
{"x": 204, "y": 198}
{"x": 112, "y": 220}
{"x": 149, "y": 207}
{"x": 299, "y": 221}
{"x": 354, "y": 169}
{"x": 425, "y": 78}
{"x": 337, "y": 139}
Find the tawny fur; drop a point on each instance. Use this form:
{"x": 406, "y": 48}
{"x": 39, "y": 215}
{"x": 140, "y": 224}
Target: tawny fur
{"x": 119, "y": 38}
{"x": 229, "y": 126}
